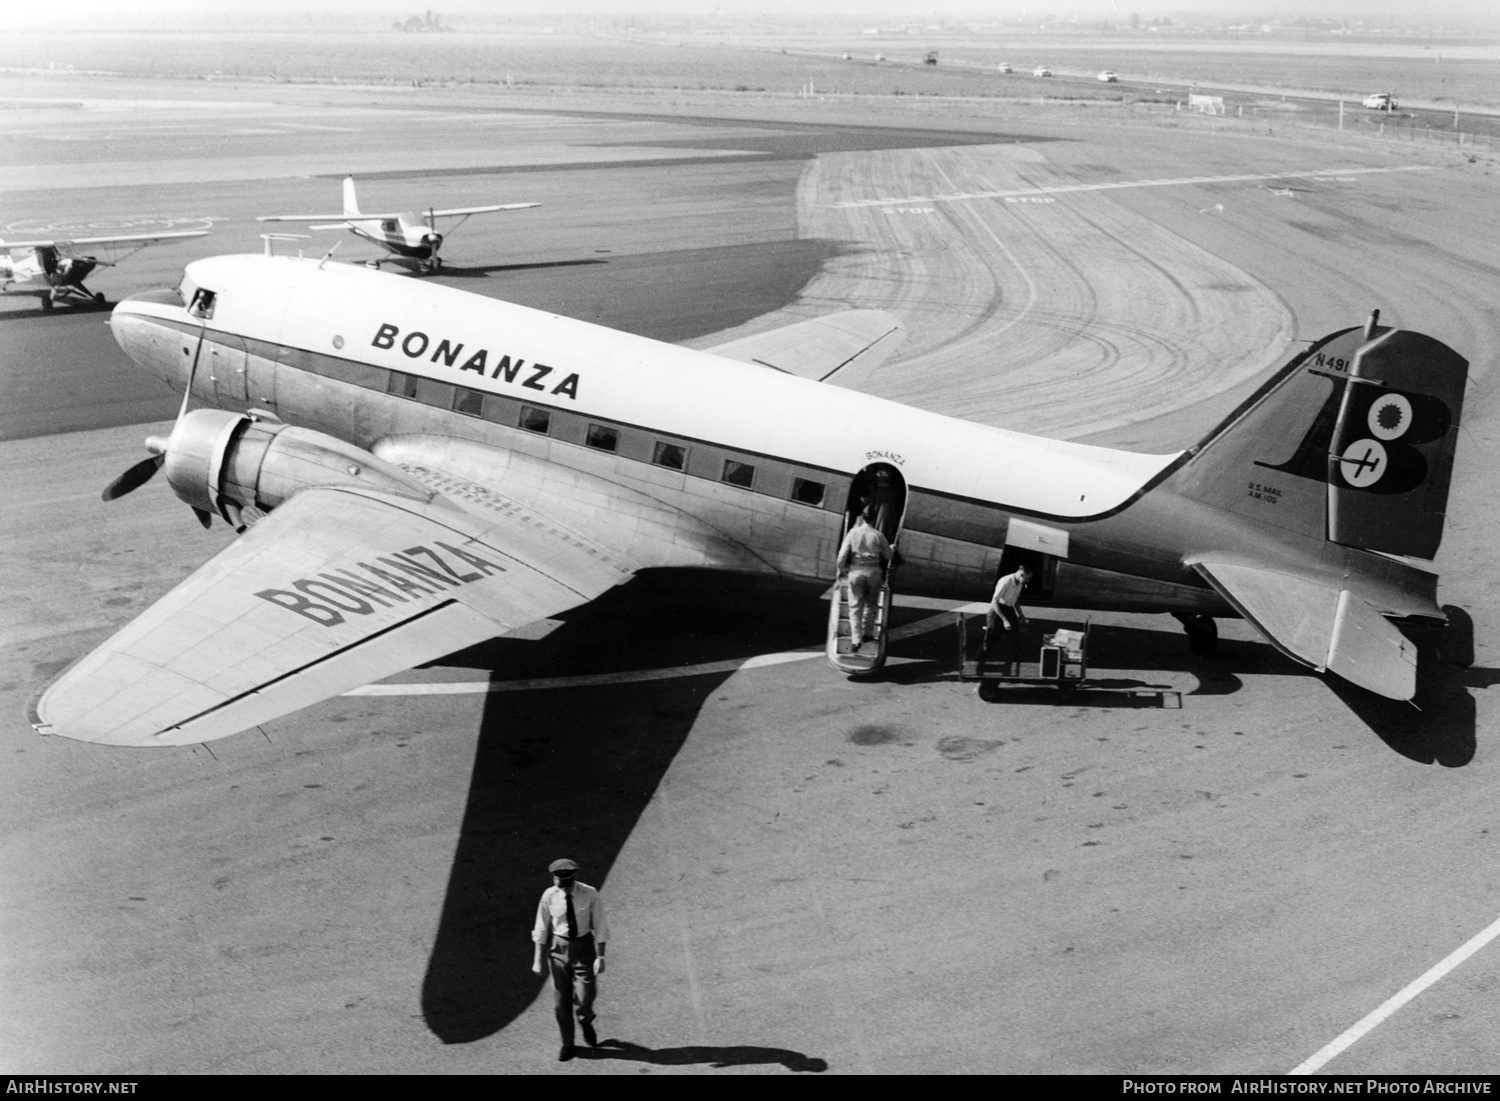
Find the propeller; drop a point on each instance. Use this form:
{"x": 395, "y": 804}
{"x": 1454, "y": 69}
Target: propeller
{"x": 143, "y": 471}
{"x": 137, "y": 476}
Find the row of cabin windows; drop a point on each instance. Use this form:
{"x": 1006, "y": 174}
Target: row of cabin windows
{"x": 602, "y": 437}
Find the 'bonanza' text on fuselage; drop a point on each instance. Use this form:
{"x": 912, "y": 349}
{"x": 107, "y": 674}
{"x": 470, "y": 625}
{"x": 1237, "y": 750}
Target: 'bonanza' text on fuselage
{"x": 416, "y": 343}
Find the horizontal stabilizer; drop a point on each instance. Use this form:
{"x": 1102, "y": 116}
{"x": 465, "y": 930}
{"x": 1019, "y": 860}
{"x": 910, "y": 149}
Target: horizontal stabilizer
{"x": 334, "y": 589}
{"x": 841, "y": 349}
{"x": 1319, "y": 624}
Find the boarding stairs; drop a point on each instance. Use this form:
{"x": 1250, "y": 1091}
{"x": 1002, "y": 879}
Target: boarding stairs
{"x": 840, "y": 651}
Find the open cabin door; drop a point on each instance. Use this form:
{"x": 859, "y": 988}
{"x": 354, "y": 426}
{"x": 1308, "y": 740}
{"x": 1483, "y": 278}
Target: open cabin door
{"x": 1039, "y": 548}
{"x": 881, "y": 489}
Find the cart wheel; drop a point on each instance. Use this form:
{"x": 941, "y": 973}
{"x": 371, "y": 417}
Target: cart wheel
{"x": 986, "y": 691}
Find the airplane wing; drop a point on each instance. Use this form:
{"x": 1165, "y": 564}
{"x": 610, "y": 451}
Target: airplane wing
{"x": 465, "y": 210}
{"x": 1319, "y": 623}
{"x": 118, "y": 239}
{"x": 334, "y": 589}
{"x": 340, "y": 220}
{"x": 841, "y": 348}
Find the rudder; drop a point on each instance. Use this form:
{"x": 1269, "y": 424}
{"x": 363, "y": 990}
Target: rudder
{"x": 1352, "y": 441}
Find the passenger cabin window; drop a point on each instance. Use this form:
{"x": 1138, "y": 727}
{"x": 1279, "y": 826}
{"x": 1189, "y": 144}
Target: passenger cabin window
{"x": 388, "y": 227}
{"x": 737, "y": 473}
{"x": 807, "y": 492}
{"x": 402, "y": 385}
{"x": 470, "y": 402}
{"x": 605, "y": 439}
{"x": 202, "y": 303}
{"x": 534, "y": 419}
{"x": 670, "y": 455}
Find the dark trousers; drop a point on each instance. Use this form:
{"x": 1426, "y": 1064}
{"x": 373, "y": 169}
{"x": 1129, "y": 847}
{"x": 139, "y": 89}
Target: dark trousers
{"x": 1002, "y": 622}
{"x": 573, "y": 985}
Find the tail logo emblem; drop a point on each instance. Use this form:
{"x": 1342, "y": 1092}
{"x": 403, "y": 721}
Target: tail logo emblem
{"x": 1363, "y": 461}
{"x": 1390, "y": 416}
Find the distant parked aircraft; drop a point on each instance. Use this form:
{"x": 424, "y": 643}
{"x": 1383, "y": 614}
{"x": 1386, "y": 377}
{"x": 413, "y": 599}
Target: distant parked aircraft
{"x": 54, "y": 270}
{"x": 409, "y": 235}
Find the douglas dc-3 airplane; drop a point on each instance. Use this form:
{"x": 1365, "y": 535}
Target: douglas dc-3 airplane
{"x": 436, "y": 469}
{"x": 409, "y": 235}
{"x": 53, "y": 270}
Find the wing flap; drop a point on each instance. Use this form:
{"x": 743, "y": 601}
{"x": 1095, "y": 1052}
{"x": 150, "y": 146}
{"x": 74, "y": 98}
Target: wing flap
{"x": 841, "y": 348}
{"x": 334, "y": 589}
{"x": 1320, "y": 624}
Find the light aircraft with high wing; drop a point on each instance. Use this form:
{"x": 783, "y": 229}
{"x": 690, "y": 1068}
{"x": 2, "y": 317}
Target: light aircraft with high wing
{"x": 432, "y": 469}
{"x": 407, "y": 234}
{"x": 54, "y": 270}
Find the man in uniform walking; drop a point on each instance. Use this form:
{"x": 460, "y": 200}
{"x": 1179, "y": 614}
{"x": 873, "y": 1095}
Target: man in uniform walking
{"x": 572, "y": 929}
{"x": 864, "y": 557}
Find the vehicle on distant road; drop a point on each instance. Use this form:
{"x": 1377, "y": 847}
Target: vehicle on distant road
{"x": 931, "y": 58}
{"x": 1381, "y": 101}
{"x": 1004, "y": 68}
{"x": 1108, "y": 76}
{"x": 1041, "y": 70}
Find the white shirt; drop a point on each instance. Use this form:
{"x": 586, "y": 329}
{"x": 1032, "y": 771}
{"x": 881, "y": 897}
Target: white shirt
{"x": 1008, "y": 590}
{"x": 552, "y": 914}
{"x": 864, "y": 546}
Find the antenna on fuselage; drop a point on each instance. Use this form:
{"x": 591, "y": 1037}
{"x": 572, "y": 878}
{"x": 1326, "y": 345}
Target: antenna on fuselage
{"x": 1370, "y": 324}
{"x": 329, "y": 253}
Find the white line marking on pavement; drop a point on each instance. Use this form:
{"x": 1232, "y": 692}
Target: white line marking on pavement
{"x": 459, "y": 688}
{"x": 760, "y": 661}
{"x": 1062, "y": 189}
{"x": 1395, "y": 1002}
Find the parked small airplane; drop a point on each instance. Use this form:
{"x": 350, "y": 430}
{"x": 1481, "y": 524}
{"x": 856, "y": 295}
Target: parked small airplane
{"x": 408, "y": 235}
{"x": 54, "y": 270}
{"x": 435, "y": 469}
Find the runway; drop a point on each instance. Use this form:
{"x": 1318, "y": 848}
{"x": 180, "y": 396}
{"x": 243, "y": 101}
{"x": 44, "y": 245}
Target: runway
{"x": 806, "y": 874}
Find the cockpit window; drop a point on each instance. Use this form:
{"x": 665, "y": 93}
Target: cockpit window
{"x": 202, "y": 303}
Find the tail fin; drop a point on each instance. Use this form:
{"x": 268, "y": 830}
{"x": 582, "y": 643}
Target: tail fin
{"x": 1353, "y": 442}
{"x": 351, "y": 204}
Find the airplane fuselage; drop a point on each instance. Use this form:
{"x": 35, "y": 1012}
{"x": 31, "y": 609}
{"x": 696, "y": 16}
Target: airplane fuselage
{"x": 538, "y": 401}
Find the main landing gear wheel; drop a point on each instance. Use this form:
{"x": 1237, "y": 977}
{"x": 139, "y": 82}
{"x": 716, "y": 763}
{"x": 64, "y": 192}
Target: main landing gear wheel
{"x": 99, "y": 299}
{"x": 47, "y": 302}
{"x": 1202, "y": 633}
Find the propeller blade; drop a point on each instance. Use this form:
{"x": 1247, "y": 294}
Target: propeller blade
{"x": 137, "y": 476}
{"x": 203, "y": 517}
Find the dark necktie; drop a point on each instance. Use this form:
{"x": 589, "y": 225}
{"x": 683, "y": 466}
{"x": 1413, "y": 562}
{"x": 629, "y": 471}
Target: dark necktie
{"x": 572, "y": 916}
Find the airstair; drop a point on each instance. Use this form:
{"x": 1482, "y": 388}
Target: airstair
{"x": 879, "y": 485}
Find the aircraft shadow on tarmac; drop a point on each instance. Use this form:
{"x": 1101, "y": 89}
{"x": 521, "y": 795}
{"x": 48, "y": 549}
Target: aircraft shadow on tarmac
{"x": 66, "y": 306}
{"x": 483, "y": 271}
{"x": 741, "y": 1056}
{"x": 1437, "y": 727}
{"x": 570, "y": 771}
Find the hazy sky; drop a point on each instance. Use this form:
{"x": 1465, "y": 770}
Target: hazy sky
{"x": 159, "y": 14}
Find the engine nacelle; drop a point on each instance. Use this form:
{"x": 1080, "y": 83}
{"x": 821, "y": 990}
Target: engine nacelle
{"x": 223, "y": 462}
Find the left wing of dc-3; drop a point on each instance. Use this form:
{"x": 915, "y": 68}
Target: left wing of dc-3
{"x": 340, "y": 585}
